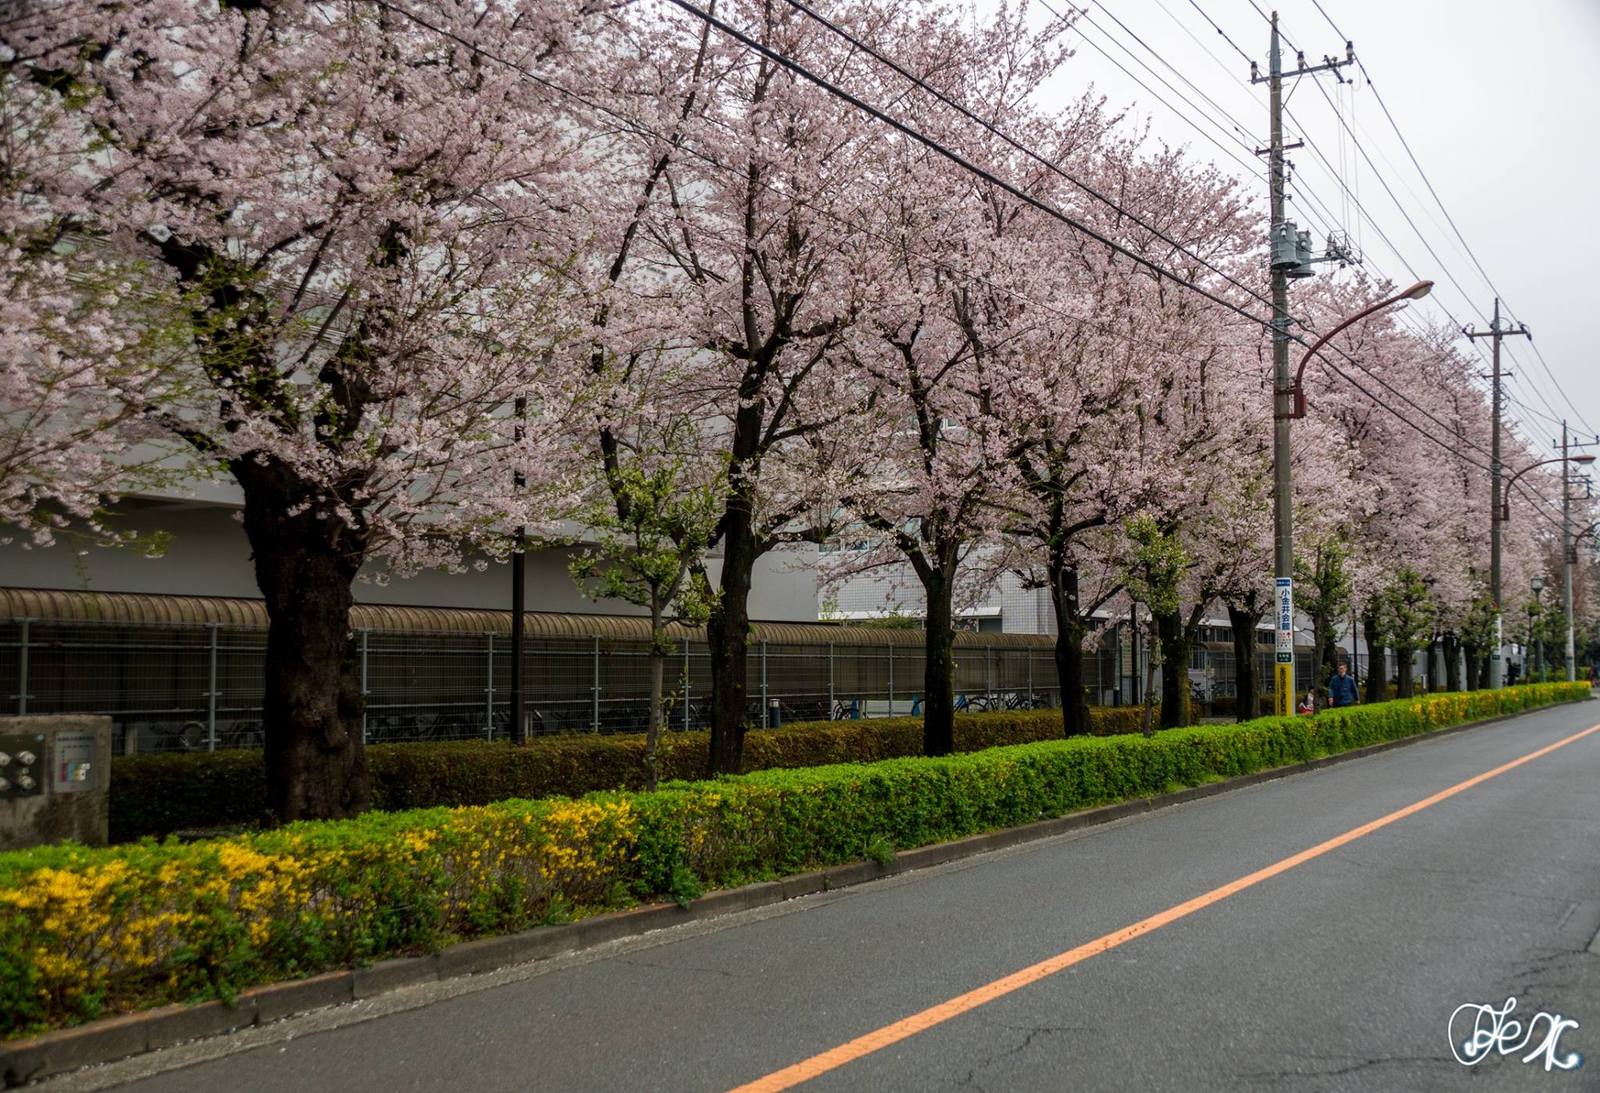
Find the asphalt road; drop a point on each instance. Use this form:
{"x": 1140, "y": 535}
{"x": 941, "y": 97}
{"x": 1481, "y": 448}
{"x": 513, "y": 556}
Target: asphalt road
{"x": 1338, "y": 973}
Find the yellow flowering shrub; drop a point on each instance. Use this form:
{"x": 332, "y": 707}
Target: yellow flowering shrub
{"x": 84, "y": 932}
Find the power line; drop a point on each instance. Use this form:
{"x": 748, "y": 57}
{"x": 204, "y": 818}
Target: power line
{"x": 1329, "y": 18}
{"x": 1361, "y": 148}
{"x": 1249, "y": 167}
{"x": 1448, "y": 273}
{"x": 1378, "y": 379}
{"x": 1030, "y": 153}
{"x": 1127, "y": 30}
{"x": 955, "y": 157}
{"x": 1315, "y": 203}
{"x": 1522, "y": 373}
{"x": 1530, "y": 494}
{"x": 1236, "y": 124}
{"x": 960, "y": 161}
{"x": 645, "y": 131}
{"x": 1220, "y": 31}
{"x": 1426, "y": 181}
{"x": 966, "y": 165}
{"x": 1560, "y": 390}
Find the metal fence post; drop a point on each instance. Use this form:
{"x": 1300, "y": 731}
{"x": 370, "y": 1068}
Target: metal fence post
{"x": 488, "y": 713}
{"x": 830, "y": 680}
{"x": 988, "y": 671}
{"x": 594, "y": 688}
{"x": 766, "y": 718}
{"x": 364, "y": 691}
{"x": 1030, "y": 674}
{"x": 22, "y": 669}
{"x": 891, "y": 680}
{"x": 211, "y": 692}
{"x": 685, "y": 684}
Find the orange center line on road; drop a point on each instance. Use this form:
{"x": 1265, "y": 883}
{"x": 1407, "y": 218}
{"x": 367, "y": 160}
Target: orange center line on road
{"x": 878, "y": 1039}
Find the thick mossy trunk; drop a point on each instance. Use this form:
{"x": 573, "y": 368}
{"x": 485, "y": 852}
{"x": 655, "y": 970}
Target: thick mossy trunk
{"x": 305, "y": 563}
{"x": 1175, "y": 643}
{"x": 1377, "y": 668}
{"x": 728, "y": 637}
{"x": 1407, "y": 658}
{"x": 1071, "y": 629}
{"x": 1247, "y": 688}
{"x": 1472, "y": 654}
{"x": 938, "y": 677}
{"x": 1452, "y": 662}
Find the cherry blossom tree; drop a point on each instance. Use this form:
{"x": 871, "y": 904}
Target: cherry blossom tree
{"x": 350, "y": 208}
{"x": 731, "y": 227}
{"x": 952, "y": 322}
{"x": 74, "y": 334}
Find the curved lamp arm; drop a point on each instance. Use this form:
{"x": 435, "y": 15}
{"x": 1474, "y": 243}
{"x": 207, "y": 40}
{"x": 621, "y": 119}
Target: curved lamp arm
{"x": 1415, "y": 292}
{"x": 1505, "y": 496}
{"x": 1590, "y": 532}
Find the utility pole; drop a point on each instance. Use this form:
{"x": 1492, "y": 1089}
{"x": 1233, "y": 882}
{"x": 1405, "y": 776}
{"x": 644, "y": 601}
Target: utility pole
{"x": 1496, "y": 331}
{"x": 1568, "y": 550}
{"x": 1290, "y": 252}
{"x": 1566, "y": 553}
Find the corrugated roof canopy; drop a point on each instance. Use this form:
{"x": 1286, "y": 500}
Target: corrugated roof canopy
{"x": 137, "y": 609}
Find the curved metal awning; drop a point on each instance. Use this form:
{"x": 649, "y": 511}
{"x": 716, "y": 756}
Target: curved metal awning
{"x": 141, "y": 609}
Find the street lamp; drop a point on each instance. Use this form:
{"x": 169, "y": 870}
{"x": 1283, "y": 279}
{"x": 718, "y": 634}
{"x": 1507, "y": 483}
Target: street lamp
{"x": 1505, "y": 502}
{"x": 1289, "y": 402}
{"x": 1415, "y": 292}
{"x": 1566, "y": 525}
{"x": 1537, "y": 584}
{"x": 1590, "y": 532}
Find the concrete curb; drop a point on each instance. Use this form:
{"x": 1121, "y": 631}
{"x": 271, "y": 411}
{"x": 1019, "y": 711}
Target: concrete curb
{"x": 112, "y": 1038}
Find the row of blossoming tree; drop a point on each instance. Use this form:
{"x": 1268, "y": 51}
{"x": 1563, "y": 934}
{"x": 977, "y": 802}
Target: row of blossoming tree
{"x": 415, "y": 274}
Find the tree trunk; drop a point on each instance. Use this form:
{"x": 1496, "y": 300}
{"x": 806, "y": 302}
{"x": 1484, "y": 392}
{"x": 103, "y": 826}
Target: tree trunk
{"x": 1070, "y": 632}
{"x": 658, "y": 671}
{"x": 728, "y": 636}
{"x": 938, "y": 677}
{"x": 1452, "y": 662}
{"x": 1470, "y": 654}
{"x": 316, "y": 763}
{"x": 1407, "y": 657}
{"x": 1324, "y": 656}
{"x": 1377, "y": 669}
{"x": 1246, "y": 699}
{"x": 1151, "y": 657}
{"x": 1175, "y": 642}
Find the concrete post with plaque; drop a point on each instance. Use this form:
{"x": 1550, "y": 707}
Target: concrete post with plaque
{"x": 55, "y": 772}
{"x": 1283, "y": 676}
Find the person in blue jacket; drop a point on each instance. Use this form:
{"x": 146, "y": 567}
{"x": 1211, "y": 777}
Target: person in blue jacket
{"x": 1341, "y": 688}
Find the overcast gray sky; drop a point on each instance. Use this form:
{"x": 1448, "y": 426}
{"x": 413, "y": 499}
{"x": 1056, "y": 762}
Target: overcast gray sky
{"x": 1499, "y": 104}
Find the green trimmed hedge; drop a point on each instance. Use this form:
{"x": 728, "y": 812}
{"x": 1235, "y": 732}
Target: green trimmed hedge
{"x": 85, "y": 932}
{"x": 160, "y": 794}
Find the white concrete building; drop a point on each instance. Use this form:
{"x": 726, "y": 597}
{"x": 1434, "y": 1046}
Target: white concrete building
{"x": 208, "y": 555}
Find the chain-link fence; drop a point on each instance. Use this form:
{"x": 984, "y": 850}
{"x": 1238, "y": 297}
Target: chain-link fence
{"x": 1214, "y": 676}
{"x": 199, "y": 687}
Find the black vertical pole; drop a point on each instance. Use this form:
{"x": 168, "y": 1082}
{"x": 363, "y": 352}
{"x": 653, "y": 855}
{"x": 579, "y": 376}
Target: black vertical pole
{"x": 519, "y": 723}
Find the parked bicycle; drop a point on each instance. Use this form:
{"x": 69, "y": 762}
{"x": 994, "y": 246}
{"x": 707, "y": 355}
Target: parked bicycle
{"x": 1019, "y": 700}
